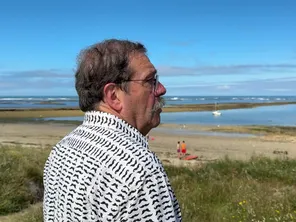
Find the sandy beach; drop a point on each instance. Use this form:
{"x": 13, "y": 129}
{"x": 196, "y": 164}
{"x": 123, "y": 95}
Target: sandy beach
{"x": 208, "y": 146}
{"x": 18, "y": 127}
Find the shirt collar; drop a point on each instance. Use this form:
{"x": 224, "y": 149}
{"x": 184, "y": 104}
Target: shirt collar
{"x": 110, "y": 121}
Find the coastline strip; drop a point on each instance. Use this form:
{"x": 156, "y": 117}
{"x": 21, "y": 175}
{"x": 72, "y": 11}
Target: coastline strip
{"x": 75, "y": 111}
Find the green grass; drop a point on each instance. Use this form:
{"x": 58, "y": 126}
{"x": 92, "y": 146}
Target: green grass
{"x": 260, "y": 189}
{"x": 21, "y": 172}
{"x": 31, "y": 214}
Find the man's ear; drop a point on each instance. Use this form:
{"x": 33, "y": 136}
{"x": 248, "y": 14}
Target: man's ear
{"x": 111, "y": 96}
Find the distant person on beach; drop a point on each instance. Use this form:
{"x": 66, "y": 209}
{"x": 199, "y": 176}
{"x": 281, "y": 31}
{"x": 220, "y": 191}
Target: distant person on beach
{"x": 179, "y": 149}
{"x": 104, "y": 170}
{"x": 183, "y": 148}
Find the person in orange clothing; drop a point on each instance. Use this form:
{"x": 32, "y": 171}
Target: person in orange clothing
{"x": 183, "y": 148}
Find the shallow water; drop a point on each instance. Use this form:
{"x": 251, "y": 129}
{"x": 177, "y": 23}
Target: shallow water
{"x": 284, "y": 115}
{"x": 269, "y": 115}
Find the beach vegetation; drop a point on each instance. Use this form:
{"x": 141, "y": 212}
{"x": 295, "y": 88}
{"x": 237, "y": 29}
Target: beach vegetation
{"x": 260, "y": 189}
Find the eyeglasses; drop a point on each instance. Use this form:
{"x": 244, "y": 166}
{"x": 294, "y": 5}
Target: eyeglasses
{"x": 152, "y": 81}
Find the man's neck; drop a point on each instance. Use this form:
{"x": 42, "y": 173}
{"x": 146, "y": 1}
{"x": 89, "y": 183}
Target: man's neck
{"x": 103, "y": 107}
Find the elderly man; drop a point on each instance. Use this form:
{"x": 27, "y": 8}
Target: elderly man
{"x": 104, "y": 170}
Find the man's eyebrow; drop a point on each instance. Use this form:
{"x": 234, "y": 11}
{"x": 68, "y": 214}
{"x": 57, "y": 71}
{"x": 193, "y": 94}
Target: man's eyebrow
{"x": 154, "y": 72}
{"x": 151, "y": 74}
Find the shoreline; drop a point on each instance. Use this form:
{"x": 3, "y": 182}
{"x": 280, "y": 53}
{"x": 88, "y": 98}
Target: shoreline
{"x": 262, "y": 132}
{"x": 22, "y": 113}
{"x": 207, "y": 147}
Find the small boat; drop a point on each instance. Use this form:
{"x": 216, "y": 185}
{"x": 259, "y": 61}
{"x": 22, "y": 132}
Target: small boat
{"x": 216, "y": 112}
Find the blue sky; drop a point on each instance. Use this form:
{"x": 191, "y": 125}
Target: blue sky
{"x": 210, "y": 47}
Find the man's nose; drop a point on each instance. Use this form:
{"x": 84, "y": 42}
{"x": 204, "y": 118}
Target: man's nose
{"x": 161, "y": 90}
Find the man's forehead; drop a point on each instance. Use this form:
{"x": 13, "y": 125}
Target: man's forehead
{"x": 141, "y": 61}
{"x": 147, "y": 72}
{"x": 140, "y": 58}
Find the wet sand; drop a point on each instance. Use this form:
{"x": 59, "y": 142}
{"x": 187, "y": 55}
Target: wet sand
{"x": 17, "y": 127}
{"x": 207, "y": 147}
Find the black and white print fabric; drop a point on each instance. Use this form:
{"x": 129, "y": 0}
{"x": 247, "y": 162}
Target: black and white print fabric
{"x": 104, "y": 171}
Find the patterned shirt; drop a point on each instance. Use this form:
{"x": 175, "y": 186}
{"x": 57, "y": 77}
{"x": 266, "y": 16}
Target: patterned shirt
{"x": 104, "y": 171}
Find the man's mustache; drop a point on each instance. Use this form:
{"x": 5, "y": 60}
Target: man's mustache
{"x": 158, "y": 104}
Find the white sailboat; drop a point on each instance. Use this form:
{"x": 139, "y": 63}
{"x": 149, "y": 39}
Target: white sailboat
{"x": 216, "y": 112}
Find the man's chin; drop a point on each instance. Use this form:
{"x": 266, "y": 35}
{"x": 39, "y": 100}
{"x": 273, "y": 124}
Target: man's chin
{"x": 155, "y": 124}
{"x": 156, "y": 118}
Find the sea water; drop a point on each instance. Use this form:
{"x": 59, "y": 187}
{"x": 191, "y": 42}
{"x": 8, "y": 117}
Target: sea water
{"x": 23, "y": 102}
{"x": 283, "y": 115}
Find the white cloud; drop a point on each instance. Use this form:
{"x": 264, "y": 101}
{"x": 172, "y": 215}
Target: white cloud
{"x": 249, "y": 69}
{"x": 54, "y": 81}
{"x": 223, "y": 87}
{"x": 280, "y": 90}
{"x": 46, "y": 73}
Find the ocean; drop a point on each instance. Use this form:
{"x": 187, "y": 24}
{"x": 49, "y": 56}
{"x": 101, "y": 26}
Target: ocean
{"x": 283, "y": 115}
{"x": 72, "y": 101}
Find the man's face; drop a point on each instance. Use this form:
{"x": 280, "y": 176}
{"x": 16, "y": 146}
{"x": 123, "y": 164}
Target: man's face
{"x": 142, "y": 102}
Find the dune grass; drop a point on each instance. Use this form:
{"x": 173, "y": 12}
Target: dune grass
{"x": 260, "y": 189}
{"x": 31, "y": 214}
{"x": 21, "y": 171}
{"x": 257, "y": 129}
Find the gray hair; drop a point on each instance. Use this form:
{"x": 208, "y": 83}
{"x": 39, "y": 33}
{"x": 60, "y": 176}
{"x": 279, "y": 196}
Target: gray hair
{"x": 100, "y": 64}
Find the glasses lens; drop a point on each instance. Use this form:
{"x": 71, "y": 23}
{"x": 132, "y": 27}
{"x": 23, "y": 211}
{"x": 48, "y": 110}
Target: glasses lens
{"x": 156, "y": 83}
